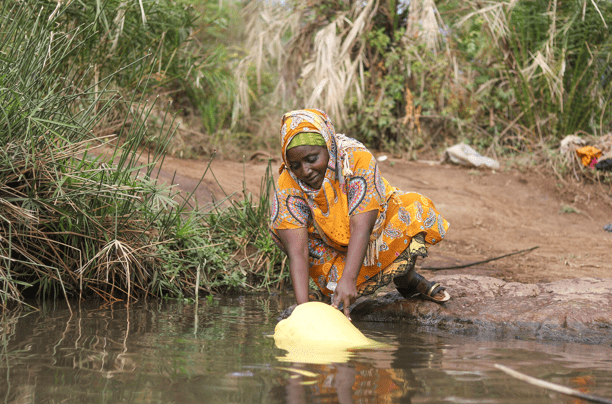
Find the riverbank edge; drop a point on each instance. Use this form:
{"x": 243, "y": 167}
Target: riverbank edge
{"x": 568, "y": 310}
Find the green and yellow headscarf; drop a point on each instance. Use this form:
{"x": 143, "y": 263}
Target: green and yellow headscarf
{"x": 307, "y": 139}
{"x": 306, "y": 126}
{"x": 313, "y": 127}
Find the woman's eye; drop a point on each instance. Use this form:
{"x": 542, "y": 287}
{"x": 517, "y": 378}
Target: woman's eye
{"x": 312, "y": 159}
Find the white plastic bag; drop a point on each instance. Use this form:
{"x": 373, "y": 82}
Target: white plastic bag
{"x": 464, "y": 155}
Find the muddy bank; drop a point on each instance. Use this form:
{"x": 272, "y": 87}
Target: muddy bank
{"x": 571, "y": 310}
{"x": 575, "y": 310}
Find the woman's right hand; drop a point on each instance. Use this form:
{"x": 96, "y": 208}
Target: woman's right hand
{"x": 295, "y": 242}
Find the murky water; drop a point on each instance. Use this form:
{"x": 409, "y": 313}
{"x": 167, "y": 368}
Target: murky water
{"x": 220, "y": 351}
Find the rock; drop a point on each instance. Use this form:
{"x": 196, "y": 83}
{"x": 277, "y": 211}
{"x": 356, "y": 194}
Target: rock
{"x": 577, "y": 310}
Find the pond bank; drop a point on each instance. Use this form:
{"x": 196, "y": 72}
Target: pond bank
{"x": 569, "y": 310}
{"x": 576, "y": 310}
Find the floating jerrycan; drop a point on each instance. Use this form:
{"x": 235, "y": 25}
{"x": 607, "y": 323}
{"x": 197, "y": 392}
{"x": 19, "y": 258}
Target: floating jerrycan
{"x": 317, "y": 330}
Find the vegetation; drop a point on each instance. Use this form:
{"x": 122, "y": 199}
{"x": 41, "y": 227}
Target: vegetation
{"x": 506, "y": 77}
{"x": 91, "y": 94}
{"x": 76, "y": 222}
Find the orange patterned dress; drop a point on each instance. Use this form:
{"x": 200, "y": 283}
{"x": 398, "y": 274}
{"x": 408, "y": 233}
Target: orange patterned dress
{"x": 353, "y": 184}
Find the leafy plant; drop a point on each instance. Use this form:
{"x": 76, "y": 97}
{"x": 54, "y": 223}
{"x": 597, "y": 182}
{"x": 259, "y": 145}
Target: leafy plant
{"x": 253, "y": 261}
{"x": 73, "y": 222}
{"x": 557, "y": 63}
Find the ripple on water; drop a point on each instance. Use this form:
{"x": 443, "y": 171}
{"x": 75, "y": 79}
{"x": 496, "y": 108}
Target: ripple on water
{"x": 220, "y": 351}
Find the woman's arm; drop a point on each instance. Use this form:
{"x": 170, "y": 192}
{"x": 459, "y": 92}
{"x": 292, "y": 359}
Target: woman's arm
{"x": 295, "y": 242}
{"x": 361, "y": 226}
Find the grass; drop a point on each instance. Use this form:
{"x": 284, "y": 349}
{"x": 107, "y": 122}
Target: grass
{"x": 73, "y": 224}
{"x": 568, "y": 209}
{"x": 508, "y": 78}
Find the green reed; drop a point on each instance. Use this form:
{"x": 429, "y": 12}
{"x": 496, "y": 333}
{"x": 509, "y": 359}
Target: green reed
{"x": 241, "y": 225}
{"x": 75, "y": 222}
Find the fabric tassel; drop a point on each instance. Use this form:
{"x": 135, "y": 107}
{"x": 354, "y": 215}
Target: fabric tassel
{"x": 343, "y": 142}
{"x": 372, "y": 252}
{"x": 346, "y": 166}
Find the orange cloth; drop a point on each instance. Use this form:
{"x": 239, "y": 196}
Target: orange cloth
{"x": 369, "y": 384}
{"x": 587, "y": 154}
{"x": 352, "y": 185}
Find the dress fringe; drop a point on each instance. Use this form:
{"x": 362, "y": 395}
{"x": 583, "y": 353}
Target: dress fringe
{"x": 371, "y": 256}
{"x": 346, "y": 166}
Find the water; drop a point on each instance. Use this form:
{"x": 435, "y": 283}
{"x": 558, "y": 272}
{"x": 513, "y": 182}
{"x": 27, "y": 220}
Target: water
{"x": 221, "y": 352}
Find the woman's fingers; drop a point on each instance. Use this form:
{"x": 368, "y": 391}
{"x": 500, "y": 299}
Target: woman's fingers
{"x": 344, "y": 294}
{"x": 337, "y": 301}
{"x": 347, "y": 304}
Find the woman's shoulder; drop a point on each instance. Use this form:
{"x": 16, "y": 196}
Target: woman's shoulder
{"x": 287, "y": 184}
{"x": 351, "y": 145}
{"x": 360, "y": 157}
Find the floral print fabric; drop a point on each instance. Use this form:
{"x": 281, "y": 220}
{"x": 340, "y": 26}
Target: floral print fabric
{"x": 353, "y": 185}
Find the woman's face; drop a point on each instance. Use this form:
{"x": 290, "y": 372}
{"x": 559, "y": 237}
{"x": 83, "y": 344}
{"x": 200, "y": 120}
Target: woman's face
{"x": 309, "y": 164}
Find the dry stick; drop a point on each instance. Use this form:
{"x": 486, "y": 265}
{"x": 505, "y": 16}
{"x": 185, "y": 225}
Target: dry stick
{"x": 195, "y": 312}
{"x": 197, "y": 286}
{"x": 552, "y": 386}
{"x": 480, "y": 262}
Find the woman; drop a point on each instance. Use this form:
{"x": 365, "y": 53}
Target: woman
{"x": 342, "y": 223}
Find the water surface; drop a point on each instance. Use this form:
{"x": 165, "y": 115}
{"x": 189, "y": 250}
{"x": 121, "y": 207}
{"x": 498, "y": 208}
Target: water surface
{"x": 221, "y": 351}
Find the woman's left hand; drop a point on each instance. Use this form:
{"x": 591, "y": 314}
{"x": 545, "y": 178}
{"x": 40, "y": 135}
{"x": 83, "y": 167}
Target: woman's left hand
{"x": 361, "y": 227}
{"x": 345, "y": 293}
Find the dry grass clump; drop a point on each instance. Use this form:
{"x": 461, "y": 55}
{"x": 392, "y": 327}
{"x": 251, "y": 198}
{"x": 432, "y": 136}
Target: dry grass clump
{"x": 321, "y": 53}
{"x": 326, "y": 56}
{"x": 507, "y": 77}
{"x": 59, "y": 207}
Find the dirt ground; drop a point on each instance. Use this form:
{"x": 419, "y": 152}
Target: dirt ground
{"x": 491, "y": 213}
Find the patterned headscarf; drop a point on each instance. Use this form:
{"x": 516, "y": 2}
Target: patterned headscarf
{"x": 307, "y": 139}
{"x": 315, "y": 120}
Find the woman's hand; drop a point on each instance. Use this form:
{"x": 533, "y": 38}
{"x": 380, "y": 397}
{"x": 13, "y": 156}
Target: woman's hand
{"x": 345, "y": 294}
{"x": 295, "y": 242}
{"x": 361, "y": 227}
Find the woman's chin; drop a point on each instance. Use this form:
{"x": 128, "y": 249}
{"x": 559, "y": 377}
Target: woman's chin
{"x": 316, "y": 185}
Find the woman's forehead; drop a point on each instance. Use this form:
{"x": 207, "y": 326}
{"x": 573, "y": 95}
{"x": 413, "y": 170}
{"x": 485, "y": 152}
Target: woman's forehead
{"x": 300, "y": 152}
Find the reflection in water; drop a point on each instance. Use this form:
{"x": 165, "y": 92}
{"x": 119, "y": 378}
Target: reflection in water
{"x": 119, "y": 352}
{"x": 376, "y": 381}
{"x": 221, "y": 352}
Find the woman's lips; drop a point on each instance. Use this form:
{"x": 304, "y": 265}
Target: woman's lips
{"x": 312, "y": 180}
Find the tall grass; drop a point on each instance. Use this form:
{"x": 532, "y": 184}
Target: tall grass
{"x": 556, "y": 58}
{"x": 242, "y": 229}
{"x": 70, "y": 222}
{"x": 190, "y": 64}
{"x": 73, "y": 224}
{"x": 508, "y": 77}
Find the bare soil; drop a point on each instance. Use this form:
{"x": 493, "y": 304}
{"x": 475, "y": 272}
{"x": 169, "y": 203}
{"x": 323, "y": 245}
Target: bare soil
{"x": 491, "y": 213}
